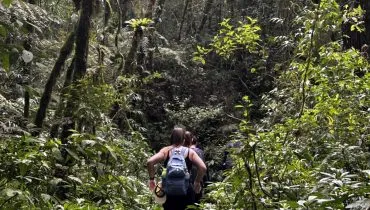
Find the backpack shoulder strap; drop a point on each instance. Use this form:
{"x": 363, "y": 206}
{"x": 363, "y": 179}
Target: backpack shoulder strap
{"x": 168, "y": 153}
{"x": 184, "y": 150}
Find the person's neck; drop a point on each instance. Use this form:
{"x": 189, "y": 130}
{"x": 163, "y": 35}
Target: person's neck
{"x": 176, "y": 145}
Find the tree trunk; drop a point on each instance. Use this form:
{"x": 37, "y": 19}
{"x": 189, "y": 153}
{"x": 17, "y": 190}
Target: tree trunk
{"x": 192, "y": 28}
{"x": 107, "y": 15}
{"x": 55, "y": 73}
{"x": 27, "y": 75}
{"x": 130, "y": 63}
{"x": 231, "y": 11}
{"x": 59, "y": 112}
{"x": 27, "y": 46}
{"x": 207, "y": 9}
{"x": 183, "y": 18}
{"x": 156, "y": 18}
{"x": 80, "y": 66}
{"x": 26, "y": 109}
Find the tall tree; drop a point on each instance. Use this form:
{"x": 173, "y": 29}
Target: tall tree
{"x": 183, "y": 18}
{"x": 57, "y": 69}
{"x": 59, "y": 112}
{"x": 206, "y": 10}
{"x": 80, "y": 65}
{"x": 27, "y": 69}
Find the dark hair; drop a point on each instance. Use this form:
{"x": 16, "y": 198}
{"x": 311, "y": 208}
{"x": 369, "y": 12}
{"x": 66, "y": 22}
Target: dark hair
{"x": 188, "y": 137}
{"x": 177, "y": 136}
{"x": 194, "y": 140}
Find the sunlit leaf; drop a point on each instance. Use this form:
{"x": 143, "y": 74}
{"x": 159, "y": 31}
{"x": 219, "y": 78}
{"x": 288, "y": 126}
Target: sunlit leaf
{"x": 6, "y": 3}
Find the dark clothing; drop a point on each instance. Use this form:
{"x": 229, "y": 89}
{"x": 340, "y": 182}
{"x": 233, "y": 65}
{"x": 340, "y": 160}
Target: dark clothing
{"x": 180, "y": 202}
{"x": 198, "y": 196}
{"x": 200, "y": 153}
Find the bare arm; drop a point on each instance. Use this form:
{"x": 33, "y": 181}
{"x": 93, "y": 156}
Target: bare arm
{"x": 160, "y": 156}
{"x": 199, "y": 164}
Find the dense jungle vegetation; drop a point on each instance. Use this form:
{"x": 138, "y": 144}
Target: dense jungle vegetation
{"x": 89, "y": 89}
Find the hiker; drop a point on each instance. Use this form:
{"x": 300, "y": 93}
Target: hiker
{"x": 194, "y": 146}
{"x": 187, "y": 139}
{"x": 180, "y": 192}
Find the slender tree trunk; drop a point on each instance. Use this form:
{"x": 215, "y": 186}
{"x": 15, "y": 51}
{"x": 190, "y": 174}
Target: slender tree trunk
{"x": 191, "y": 28}
{"x": 59, "y": 112}
{"x": 98, "y": 75}
{"x": 27, "y": 75}
{"x": 27, "y": 46}
{"x": 54, "y": 75}
{"x": 219, "y": 16}
{"x": 206, "y": 10}
{"x": 80, "y": 65}
{"x": 107, "y": 15}
{"x": 183, "y": 18}
{"x": 156, "y": 18}
{"x": 26, "y": 112}
{"x": 231, "y": 12}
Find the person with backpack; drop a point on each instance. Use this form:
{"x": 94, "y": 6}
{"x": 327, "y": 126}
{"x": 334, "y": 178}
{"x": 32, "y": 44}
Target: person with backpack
{"x": 178, "y": 161}
{"x": 194, "y": 146}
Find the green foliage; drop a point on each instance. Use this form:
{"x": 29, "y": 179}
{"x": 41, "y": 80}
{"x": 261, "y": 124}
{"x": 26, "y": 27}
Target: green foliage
{"x": 6, "y": 2}
{"x": 311, "y": 149}
{"x": 90, "y": 109}
{"x": 98, "y": 172}
{"x": 139, "y": 23}
{"x": 199, "y": 114}
{"x": 230, "y": 39}
{"x": 354, "y": 16}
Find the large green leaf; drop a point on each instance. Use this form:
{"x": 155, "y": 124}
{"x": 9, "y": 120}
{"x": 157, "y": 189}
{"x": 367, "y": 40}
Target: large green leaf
{"x": 6, "y": 3}
{"x": 73, "y": 154}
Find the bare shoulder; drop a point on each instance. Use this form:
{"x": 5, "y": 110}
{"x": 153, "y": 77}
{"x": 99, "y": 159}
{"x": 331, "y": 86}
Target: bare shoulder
{"x": 191, "y": 154}
{"x": 165, "y": 149}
